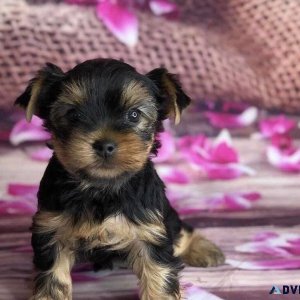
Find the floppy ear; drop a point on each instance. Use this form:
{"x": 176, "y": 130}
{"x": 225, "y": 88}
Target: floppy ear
{"x": 38, "y": 96}
{"x": 174, "y": 100}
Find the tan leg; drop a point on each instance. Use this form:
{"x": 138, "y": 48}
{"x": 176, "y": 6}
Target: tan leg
{"x": 157, "y": 270}
{"x": 197, "y": 251}
{"x": 55, "y": 283}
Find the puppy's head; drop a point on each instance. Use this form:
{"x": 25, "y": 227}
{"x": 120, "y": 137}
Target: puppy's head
{"x": 102, "y": 114}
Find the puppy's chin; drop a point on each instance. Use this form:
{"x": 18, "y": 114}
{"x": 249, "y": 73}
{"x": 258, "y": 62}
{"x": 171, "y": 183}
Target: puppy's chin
{"x": 103, "y": 178}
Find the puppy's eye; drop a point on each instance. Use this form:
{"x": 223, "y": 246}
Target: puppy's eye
{"x": 133, "y": 115}
{"x": 73, "y": 115}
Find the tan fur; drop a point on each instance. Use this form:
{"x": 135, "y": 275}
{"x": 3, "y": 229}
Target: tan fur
{"x": 197, "y": 251}
{"x": 77, "y": 153}
{"x": 152, "y": 275}
{"x": 171, "y": 90}
{"x": 134, "y": 93}
{"x": 73, "y": 93}
{"x": 31, "y": 108}
{"x": 116, "y": 231}
{"x": 60, "y": 282}
{"x": 183, "y": 242}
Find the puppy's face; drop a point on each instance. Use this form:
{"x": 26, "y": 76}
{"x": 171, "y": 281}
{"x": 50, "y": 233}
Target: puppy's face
{"x": 103, "y": 115}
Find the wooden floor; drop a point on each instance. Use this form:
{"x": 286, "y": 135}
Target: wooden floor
{"x": 279, "y": 210}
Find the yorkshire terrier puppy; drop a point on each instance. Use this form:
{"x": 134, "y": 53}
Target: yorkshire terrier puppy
{"x": 100, "y": 197}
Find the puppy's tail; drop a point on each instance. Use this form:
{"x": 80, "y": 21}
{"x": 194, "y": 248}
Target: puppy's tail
{"x": 195, "y": 250}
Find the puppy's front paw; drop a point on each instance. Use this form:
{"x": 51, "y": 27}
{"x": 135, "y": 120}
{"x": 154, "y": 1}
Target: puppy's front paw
{"x": 202, "y": 253}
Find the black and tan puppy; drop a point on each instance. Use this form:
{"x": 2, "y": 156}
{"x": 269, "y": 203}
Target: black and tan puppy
{"x": 100, "y": 197}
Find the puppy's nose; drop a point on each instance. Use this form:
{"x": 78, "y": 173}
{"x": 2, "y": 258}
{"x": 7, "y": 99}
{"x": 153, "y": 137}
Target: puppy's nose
{"x": 105, "y": 148}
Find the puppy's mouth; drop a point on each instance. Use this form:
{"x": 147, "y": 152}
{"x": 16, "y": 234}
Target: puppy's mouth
{"x": 106, "y": 165}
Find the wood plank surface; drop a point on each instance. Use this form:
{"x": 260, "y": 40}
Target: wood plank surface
{"x": 278, "y": 210}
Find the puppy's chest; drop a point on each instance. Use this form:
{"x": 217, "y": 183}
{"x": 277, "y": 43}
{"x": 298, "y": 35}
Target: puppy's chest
{"x": 118, "y": 233}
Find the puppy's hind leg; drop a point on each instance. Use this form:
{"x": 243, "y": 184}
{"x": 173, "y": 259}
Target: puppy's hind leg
{"x": 195, "y": 250}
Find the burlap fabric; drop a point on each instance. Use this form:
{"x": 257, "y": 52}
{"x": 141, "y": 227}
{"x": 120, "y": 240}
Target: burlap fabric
{"x": 245, "y": 50}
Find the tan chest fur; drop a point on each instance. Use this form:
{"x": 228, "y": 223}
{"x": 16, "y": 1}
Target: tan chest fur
{"x": 115, "y": 232}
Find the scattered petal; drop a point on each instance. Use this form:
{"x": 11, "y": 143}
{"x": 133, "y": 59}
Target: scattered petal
{"x": 41, "y": 154}
{"x": 167, "y": 149}
{"x": 272, "y": 264}
{"x": 285, "y": 245}
{"x": 278, "y": 125}
{"x": 219, "y": 160}
{"x": 229, "y": 120}
{"x": 28, "y": 132}
{"x": 119, "y": 20}
{"x": 227, "y": 171}
{"x": 19, "y": 189}
{"x": 222, "y": 150}
{"x": 282, "y": 141}
{"x": 186, "y": 203}
{"x": 161, "y": 7}
{"x": 231, "y": 201}
{"x": 287, "y": 161}
{"x": 173, "y": 175}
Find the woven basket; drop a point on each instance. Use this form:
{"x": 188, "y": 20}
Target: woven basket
{"x": 230, "y": 50}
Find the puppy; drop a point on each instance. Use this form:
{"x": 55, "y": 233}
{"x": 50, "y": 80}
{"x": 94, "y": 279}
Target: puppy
{"x": 100, "y": 197}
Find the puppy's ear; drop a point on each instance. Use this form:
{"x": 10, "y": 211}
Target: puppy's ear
{"x": 38, "y": 96}
{"x": 174, "y": 100}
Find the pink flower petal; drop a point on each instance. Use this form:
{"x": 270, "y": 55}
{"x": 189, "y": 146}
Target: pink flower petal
{"x": 119, "y": 20}
{"x": 279, "y": 125}
{"x": 285, "y": 161}
{"x": 173, "y": 175}
{"x": 41, "y": 154}
{"x": 161, "y": 7}
{"x": 285, "y": 245}
{"x": 226, "y": 171}
{"x": 219, "y": 160}
{"x": 188, "y": 204}
{"x": 231, "y": 201}
{"x": 192, "y": 292}
{"x": 223, "y": 153}
{"x": 251, "y": 196}
{"x": 234, "y": 107}
{"x": 272, "y": 264}
{"x": 167, "y": 149}
{"x": 189, "y": 141}
{"x": 282, "y": 141}
{"x": 229, "y": 120}
{"x": 262, "y": 236}
{"x": 18, "y": 189}
{"x": 28, "y": 132}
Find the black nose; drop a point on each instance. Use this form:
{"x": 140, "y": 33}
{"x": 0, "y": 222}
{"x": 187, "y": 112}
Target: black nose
{"x": 105, "y": 148}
